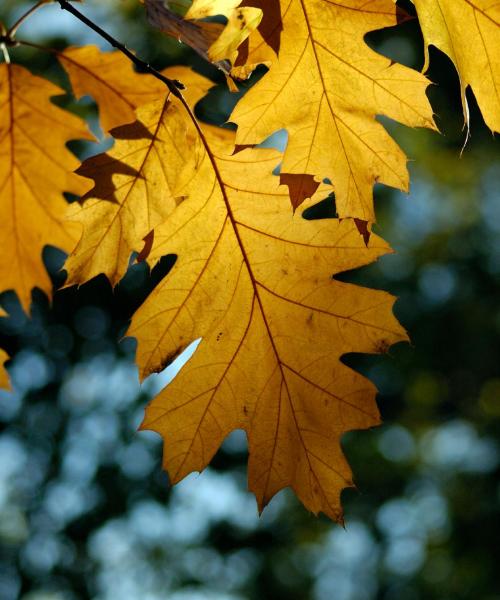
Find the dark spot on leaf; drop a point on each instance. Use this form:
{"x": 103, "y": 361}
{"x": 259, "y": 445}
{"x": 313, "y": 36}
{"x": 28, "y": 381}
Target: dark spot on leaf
{"x": 382, "y": 346}
{"x": 300, "y": 187}
{"x": 169, "y": 359}
{"x": 362, "y": 227}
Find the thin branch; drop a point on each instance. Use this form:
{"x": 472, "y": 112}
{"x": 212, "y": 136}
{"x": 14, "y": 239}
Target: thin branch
{"x": 12, "y": 31}
{"x": 173, "y": 85}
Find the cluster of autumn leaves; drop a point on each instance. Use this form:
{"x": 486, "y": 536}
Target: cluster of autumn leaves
{"x": 253, "y": 279}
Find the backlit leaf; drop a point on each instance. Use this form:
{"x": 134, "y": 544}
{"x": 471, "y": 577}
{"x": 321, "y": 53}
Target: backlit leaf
{"x": 35, "y": 169}
{"x": 325, "y": 89}
{"x": 139, "y": 192}
{"x": 138, "y": 195}
{"x": 255, "y": 283}
{"x": 468, "y": 31}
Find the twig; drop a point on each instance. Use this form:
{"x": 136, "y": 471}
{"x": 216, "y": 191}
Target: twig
{"x": 12, "y": 31}
{"x": 173, "y": 85}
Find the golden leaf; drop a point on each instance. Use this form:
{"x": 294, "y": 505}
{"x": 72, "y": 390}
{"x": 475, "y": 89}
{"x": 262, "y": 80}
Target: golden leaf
{"x": 138, "y": 195}
{"x": 325, "y": 89}
{"x": 35, "y": 169}
{"x": 468, "y": 31}
{"x": 139, "y": 192}
{"x": 255, "y": 283}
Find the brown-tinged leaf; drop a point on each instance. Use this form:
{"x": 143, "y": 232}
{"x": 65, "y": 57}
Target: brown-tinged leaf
{"x": 326, "y": 88}
{"x": 198, "y": 35}
{"x": 468, "y": 31}
{"x": 262, "y": 46}
{"x": 241, "y": 22}
{"x": 255, "y": 283}
{"x": 215, "y": 42}
{"x": 35, "y": 169}
{"x": 300, "y": 187}
{"x": 137, "y": 181}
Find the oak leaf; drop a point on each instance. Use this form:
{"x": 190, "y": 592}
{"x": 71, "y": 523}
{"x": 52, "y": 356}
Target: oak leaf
{"x": 468, "y": 31}
{"x": 325, "y": 89}
{"x": 35, "y": 169}
{"x": 255, "y": 283}
{"x": 136, "y": 179}
{"x": 129, "y": 199}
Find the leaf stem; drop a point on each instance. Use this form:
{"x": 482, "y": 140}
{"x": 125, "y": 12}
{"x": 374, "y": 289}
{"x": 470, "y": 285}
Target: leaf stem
{"x": 173, "y": 85}
{"x": 12, "y": 31}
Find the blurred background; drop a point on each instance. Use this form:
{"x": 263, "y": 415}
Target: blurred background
{"x": 85, "y": 509}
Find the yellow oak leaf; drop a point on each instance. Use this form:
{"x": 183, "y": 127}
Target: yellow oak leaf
{"x": 255, "y": 283}
{"x": 35, "y": 169}
{"x": 110, "y": 79}
{"x": 137, "y": 180}
{"x": 468, "y": 31}
{"x": 138, "y": 195}
{"x": 325, "y": 89}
